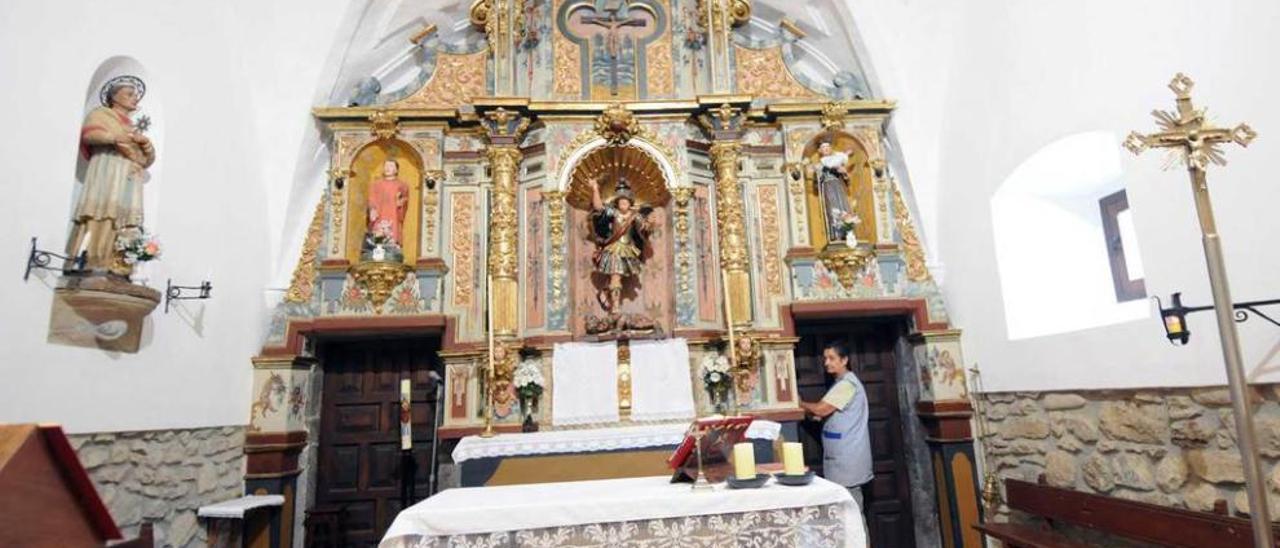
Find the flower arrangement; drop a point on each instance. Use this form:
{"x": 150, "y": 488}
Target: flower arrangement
{"x": 846, "y": 220}
{"x": 529, "y": 380}
{"x": 136, "y": 246}
{"x": 715, "y": 371}
{"x": 381, "y": 234}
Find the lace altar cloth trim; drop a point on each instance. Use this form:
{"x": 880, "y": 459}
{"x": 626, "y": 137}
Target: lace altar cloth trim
{"x": 587, "y": 441}
{"x": 807, "y": 527}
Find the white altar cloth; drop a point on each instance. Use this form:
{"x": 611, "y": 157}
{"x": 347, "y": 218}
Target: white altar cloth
{"x": 548, "y": 506}
{"x": 585, "y": 441}
{"x": 661, "y": 388}
{"x": 584, "y": 380}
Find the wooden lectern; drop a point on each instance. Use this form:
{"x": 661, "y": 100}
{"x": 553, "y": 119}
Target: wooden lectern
{"x": 46, "y": 497}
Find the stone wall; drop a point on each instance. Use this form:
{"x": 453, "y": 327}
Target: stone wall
{"x": 163, "y": 476}
{"x": 1173, "y": 447}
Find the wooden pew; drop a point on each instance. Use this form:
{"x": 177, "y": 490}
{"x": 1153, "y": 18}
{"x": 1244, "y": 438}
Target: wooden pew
{"x": 47, "y": 498}
{"x": 1119, "y": 518}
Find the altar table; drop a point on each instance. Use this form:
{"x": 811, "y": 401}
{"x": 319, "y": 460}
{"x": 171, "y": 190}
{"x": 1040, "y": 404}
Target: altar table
{"x": 573, "y": 455}
{"x": 632, "y": 512}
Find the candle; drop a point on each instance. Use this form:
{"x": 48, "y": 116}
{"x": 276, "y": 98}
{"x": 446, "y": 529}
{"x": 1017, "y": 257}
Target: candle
{"x": 793, "y": 458}
{"x": 744, "y": 460}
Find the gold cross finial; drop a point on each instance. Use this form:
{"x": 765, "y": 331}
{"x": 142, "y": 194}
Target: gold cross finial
{"x": 1189, "y": 132}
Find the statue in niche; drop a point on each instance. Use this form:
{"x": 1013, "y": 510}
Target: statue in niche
{"x": 832, "y": 179}
{"x": 118, "y": 156}
{"x": 620, "y": 231}
{"x": 388, "y": 204}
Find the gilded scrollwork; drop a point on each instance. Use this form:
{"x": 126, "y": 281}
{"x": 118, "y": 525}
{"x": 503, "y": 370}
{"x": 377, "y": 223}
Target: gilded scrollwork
{"x": 457, "y": 80}
{"x": 303, "y": 284}
{"x": 378, "y": 279}
{"x": 567, "y": 71}
{"x": 617, "y": 125}
{"x": 770, "y": 238}
{"x": 337, "y": 210}
{"x": 462, "y": 229}
{"x": 556, "y": 217}
{"x": 763, "y": 73}
{"x": 430, "y": 206}
{"x": 384, "y": 125}
{"x": 911, "y": 247}
{"x": 794, "y": 173}
{"x": 348, "y": 144}
{"x": 833, "y": 115}
{"x": 660, "y": 74}
{"x": 684, "y": 255}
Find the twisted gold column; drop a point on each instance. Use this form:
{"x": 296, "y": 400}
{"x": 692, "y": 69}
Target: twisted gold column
{"x": 503, "y": 231}
{"x": 733, "y": 239}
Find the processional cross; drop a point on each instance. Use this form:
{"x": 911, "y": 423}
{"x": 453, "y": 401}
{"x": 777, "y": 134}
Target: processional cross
{"x": 1197, "y": 143}
{"x": 613, "y": 22}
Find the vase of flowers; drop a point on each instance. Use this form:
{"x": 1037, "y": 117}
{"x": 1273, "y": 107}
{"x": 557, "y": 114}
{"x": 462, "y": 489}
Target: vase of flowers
{"x": 846, "y": 222}
{"x": 136, "y": 248}
{"x": 529, "y": 382}
{"x": 715, "y": 376}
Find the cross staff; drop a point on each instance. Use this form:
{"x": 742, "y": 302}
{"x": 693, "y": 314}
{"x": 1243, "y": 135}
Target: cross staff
{"x": 1198, "y": 143}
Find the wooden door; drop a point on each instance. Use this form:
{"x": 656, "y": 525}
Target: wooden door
{"x": 359, "y": 461}
{"x": 887, "y": 500}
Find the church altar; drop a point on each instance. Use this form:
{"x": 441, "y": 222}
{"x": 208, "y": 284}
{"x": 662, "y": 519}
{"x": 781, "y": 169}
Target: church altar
{"x": 566, "y": 455}
{"x": 646, "y": 511}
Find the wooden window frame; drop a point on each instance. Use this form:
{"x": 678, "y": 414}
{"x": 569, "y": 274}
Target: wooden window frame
{"x": 1111, "y": 206}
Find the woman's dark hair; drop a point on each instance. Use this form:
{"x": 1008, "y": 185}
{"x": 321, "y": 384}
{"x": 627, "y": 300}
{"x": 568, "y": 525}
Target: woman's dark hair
{"x": 838, "y": 347}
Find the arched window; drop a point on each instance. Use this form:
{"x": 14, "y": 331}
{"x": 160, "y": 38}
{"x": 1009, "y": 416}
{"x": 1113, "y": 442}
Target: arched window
{"x": 1054, "y": 251}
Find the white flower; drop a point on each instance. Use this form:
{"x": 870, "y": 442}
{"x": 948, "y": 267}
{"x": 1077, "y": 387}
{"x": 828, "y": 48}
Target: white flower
{"x": 529, "y": 372}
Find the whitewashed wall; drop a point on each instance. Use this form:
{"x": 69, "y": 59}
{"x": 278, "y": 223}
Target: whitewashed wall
{"x": 237, "y": 80}
{"x": 983, "y": 85}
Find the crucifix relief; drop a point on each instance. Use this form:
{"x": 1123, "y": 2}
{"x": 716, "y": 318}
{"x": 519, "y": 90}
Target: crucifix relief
{"x": 613, "y": 35}
{"x": 615, "y": 20}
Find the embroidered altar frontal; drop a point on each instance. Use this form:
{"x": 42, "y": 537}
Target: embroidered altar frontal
{"x": 632, "y": 513}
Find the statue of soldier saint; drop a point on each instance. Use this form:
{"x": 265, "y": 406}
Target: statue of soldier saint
{"x": 620, "y": 231}
{"x": 118, "y": 156}
{"x": 832, "y": 180}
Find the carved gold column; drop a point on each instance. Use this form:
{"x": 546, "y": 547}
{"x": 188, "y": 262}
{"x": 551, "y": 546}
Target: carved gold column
{"x": 724, "y": 124}
{"x": 500, "y": 20}
{"x": 719, "y": 17}
{"x": 504, "y": 131}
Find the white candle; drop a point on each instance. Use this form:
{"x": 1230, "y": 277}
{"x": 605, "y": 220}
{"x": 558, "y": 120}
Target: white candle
{"x": 744, "y": 460}
{"x": 793, "y": 458}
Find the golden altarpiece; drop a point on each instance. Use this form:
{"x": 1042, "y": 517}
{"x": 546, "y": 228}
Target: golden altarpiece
{"x": 714, "y": 130}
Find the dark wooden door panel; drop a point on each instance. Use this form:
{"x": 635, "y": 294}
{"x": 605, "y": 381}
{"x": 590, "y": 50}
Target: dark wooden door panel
{"x": 360, "y": 456}
{"x": 887, "y": 500}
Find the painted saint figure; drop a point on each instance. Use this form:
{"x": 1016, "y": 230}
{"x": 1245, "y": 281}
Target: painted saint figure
{"x": 118, "y": 154}
{"x": 832, "y": 180}
{"x": 388, "y": 203}
{"x": 620, "y": 231}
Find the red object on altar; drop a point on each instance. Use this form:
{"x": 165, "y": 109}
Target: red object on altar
{"x": 719, "y": 435}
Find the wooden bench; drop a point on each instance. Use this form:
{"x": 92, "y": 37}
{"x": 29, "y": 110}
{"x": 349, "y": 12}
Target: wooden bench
{"x": 1120, "y": 518}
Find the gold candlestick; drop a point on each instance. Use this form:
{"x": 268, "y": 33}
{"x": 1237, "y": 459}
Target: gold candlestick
{"x": 490, "y": 373}
{"x": 733, "y": 349}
